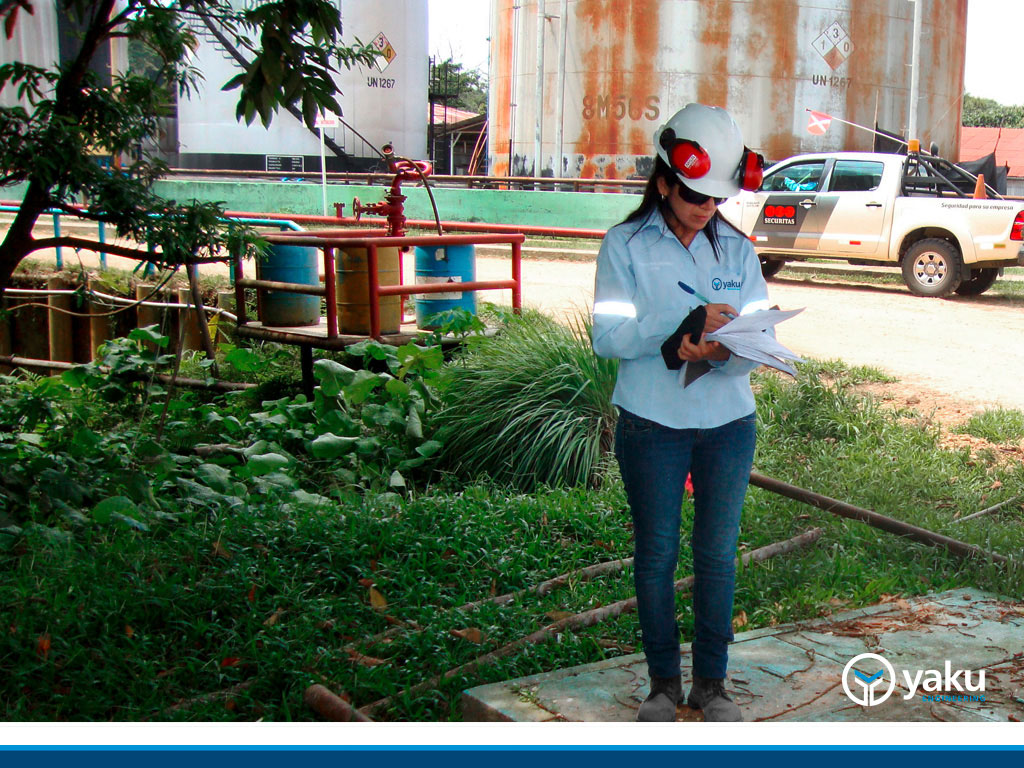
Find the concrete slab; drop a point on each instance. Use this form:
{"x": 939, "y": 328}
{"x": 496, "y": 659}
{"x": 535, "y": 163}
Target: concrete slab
{"x": 794, "y": 672}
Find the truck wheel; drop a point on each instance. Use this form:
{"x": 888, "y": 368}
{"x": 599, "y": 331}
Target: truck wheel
{"x": 981, "y": 280}
{"x": 770, "y": 267}
{"x": 932, "y": 267}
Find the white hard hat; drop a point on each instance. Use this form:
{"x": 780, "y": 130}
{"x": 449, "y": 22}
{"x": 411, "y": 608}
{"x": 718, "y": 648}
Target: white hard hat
{"x": 704, "y": 146}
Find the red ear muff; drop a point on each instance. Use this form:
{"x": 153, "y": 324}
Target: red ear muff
{"x": 751, "y": 170}
{"x": 690, "y": 159}
{"x": 685, "y": 156}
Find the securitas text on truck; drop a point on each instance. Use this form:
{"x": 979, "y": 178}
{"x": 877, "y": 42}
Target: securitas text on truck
{"x": 916, "y": 212}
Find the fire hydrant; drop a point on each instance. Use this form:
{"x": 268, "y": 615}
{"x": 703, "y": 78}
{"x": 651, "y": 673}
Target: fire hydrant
{"x": 393, "y": 205}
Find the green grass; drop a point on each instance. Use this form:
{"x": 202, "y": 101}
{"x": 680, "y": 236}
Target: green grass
{"x": 997, "y": 425}
{"x": 262, "y": 600}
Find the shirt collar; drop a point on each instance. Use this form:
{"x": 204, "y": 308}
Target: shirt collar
{"x": 658, "y": 226}
{"x": 655, "y": 226}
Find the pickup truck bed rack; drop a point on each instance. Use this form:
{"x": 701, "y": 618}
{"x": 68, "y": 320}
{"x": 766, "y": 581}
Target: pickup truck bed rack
{"x": 937, "y": 177}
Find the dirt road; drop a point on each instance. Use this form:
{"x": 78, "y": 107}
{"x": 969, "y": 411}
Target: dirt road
{"x": 955, "y": 353}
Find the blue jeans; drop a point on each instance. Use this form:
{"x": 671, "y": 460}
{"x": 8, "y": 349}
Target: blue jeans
{"x": 654, "y": 461}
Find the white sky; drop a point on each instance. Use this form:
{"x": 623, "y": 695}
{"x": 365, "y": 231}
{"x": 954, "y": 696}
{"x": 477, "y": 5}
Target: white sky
{"x": 995, "y": 62}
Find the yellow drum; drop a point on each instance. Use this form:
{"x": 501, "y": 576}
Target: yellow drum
{"x": 354, "y": 291}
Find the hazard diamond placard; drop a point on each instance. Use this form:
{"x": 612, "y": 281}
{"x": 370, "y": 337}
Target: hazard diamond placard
{"x": 382, "y": 44}
{"x": 834, "y": 45}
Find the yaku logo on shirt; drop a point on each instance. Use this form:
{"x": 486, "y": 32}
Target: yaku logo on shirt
{"x": 726, "y": 285}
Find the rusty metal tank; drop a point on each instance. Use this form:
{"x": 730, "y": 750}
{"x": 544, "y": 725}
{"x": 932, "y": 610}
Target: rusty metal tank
{"x": 629, "y": 64}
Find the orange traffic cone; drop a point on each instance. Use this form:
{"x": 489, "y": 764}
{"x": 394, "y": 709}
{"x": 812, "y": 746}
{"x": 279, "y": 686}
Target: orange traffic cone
{"x": 979, "y": 188}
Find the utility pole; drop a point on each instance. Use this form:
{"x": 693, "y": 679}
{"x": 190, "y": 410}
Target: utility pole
{"x": 563, "y": 19}
{"x": 538, "y": 107}
{"x": 915, "y": 72}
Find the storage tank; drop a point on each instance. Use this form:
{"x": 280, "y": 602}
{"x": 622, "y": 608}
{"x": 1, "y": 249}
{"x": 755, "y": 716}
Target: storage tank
{"x": 385, "y": 102}
{"x": 45, "y": 36}
{"x": 629, "y": 64}
{"x": 33, "y": 41}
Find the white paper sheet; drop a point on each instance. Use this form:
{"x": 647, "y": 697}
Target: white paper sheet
{"x": 747, "y": 337}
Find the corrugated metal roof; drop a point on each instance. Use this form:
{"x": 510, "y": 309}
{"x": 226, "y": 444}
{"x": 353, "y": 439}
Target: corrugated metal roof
{"x": 1008, "y": 144}
{"x": 452, "y": 115}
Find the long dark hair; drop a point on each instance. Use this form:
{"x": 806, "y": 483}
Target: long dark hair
{"x": 652, "y": 201}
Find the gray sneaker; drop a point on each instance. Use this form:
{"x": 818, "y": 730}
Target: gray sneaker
{"x": 660, "y": 704}
{"x": 709, "y": 695}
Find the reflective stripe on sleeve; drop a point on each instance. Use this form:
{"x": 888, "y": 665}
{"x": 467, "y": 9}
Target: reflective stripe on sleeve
{"x": 754, "y": 306}
{"x": 614, "y": 308}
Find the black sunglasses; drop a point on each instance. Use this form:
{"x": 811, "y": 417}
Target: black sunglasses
{"x": 696, "y": 198}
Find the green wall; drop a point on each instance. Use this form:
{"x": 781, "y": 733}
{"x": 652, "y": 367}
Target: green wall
{"x": 579, "y": 210}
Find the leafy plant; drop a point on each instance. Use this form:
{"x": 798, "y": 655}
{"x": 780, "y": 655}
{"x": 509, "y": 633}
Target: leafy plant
{"x": 530, "y": 406}
{"x": 64, "y": 462}
{"x": 122, "y": 365}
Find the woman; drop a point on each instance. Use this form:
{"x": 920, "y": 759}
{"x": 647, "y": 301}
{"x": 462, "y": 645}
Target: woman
{"x": 697, "y": 420}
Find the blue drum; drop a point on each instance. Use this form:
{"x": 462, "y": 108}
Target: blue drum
{"x": 444, "y": 264}
{"x": 290, "y": 264}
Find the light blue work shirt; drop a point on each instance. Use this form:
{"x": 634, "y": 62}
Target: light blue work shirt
{"x": 638, "y": 304}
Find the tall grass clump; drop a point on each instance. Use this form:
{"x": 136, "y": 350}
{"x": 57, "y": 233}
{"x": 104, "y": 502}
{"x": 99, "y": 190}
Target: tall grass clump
{"x": 997, "y": 425}
{"x": 529, "y": 406}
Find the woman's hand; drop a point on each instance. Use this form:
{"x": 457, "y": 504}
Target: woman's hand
{"x": 706, "y": 350}
{"x": 718, "y": 315}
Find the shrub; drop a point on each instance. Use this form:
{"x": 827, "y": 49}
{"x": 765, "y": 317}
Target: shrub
{"x": 529, "y": 406}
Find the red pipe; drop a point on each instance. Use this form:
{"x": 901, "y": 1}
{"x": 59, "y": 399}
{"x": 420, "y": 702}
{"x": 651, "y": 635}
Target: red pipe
{"x": 465, "y": 226}
{"x": 334, "y": 233}
{"x": 517, "y": 289}
{"x": 386, "y": 242}
{"x": 331, "y": 286}
{"x": 473, "y": 285}
{"x": 476, "y": 226}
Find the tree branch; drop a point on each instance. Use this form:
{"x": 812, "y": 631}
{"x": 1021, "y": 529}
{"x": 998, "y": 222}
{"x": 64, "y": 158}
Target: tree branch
{"x": 292, "y": 109}
{"x": 92, "y": 245}
{"x": 157, "y": 257}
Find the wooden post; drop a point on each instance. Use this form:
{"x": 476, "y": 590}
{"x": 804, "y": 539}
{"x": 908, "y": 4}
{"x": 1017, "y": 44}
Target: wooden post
{"x": 5, "y": 335}
{"x": 146, "y": 316}
{"x": 192, "y": 340}
{"x": 221, "y": 325}
{"x": 99, "y": 326}
{"x": 62, "y": 347}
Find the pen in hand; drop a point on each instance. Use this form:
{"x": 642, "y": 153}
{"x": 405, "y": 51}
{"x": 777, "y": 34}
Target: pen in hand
{"x": 701, "y": 297}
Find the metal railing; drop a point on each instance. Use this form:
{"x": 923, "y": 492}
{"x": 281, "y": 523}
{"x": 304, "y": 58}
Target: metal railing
{"x": 329, "y": 240}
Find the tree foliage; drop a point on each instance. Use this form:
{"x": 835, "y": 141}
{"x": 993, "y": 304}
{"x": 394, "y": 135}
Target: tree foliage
{"x": 990, "y": 113}
{"x": 469, "y": 87}
{"x": 67, "y": 113}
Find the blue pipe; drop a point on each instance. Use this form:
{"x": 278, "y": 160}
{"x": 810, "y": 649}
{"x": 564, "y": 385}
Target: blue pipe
{"x": 56, "y": 233}
{"x": 150, "y": 268}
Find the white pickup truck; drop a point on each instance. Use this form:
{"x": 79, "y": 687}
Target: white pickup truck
{"x": 915, "y": 212}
